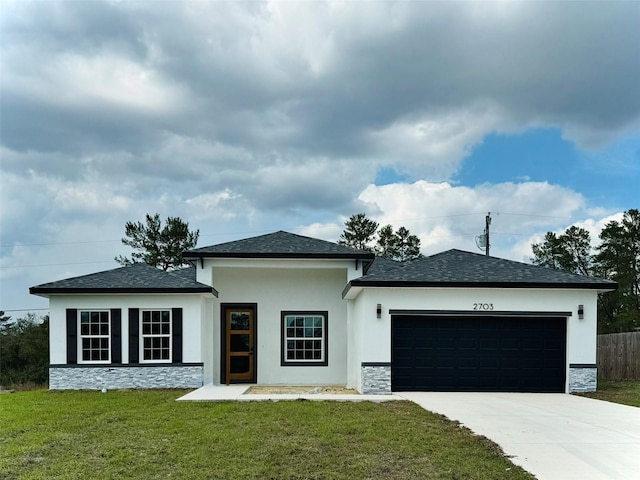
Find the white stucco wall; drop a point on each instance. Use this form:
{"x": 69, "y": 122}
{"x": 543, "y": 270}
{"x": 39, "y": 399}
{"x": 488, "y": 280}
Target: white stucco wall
{"x": 276, "y": 286}
{"x": 375, "y": 346}
{"x": 192, "y": 319}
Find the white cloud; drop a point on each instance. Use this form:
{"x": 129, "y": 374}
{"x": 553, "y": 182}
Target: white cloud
{"x": 446, "y": 216}
{"x": 246, "y": 117}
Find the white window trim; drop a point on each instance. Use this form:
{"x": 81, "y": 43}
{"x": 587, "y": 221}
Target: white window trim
{"x": 323, "y": 360}
{"x": 142, "y": 336}
{"x": 81, "y": 336}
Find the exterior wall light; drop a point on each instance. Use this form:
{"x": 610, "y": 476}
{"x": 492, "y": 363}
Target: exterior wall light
{"x": 379, "y": 310}
{"x": 581, "y": 312}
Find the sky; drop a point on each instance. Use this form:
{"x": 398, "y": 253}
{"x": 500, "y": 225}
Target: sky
{"x": 245, "y": 118}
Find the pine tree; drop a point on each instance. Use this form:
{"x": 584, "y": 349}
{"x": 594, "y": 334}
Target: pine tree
{"x": 156, "y": 245}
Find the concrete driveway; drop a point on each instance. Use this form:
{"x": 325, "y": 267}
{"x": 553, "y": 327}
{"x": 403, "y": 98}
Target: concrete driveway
{"x": 553, "y": 436}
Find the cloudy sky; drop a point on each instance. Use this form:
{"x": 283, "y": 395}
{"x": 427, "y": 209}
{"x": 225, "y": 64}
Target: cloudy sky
{"x": 247, "y": 118}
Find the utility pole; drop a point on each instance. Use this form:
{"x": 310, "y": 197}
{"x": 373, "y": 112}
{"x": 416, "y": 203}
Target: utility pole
{"x": 487, "y": 224}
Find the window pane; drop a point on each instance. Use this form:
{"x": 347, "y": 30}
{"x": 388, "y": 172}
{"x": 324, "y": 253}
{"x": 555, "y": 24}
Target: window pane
{"x": 166, "y": 317}
{"x": 166, "y": 328}
{"x": 299, "y": 322}
{"x": 155, "y": 316}
{"x": 239, "y": 342}
{"x": 146, "y": 329}
{"x": 146, "y": 316}
{"x": 317, "y": 321}
{"x": 239, "y": 321}
{"x": 308, "y": 332}
{"x": 239, "y": 364}
{"x": 299, "y": 332}
{"x": 290, "y": 321}
{"x": 291, "y": 332}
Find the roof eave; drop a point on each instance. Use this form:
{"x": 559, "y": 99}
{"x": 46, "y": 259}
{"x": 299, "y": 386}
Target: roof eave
{"x": 45, "y": 291}
{"x": 324, "y": 256}
{"x": 601, "y": 287}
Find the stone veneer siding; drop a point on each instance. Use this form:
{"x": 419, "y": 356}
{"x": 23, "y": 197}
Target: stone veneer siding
{"x": 583, "y": 378}
{"x": 92, "y": 377}
{"x": 376, "y": 378}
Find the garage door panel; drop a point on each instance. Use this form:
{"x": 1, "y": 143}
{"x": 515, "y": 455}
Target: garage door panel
{"x": 478, "y": 353}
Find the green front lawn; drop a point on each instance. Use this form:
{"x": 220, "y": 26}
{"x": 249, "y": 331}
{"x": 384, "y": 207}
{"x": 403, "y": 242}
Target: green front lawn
{"x": 626, "y": 392}
{"x": 146, "y": 434}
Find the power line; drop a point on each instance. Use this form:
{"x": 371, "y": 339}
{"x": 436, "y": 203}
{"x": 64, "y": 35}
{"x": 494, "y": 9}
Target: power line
{"x": 25, "y": 309}
{"x": 538, "y": 216}
{"x": 55, "y": 264}
{"x": 218, "y": 234}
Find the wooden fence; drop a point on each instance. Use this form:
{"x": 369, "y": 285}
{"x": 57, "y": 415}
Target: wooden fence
{"x": 619, "y": 356}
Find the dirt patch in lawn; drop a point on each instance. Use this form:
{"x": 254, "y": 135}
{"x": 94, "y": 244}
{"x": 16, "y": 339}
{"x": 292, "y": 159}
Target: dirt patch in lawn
{"x": 303, "y": 389}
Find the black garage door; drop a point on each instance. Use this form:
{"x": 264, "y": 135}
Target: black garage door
{"x": 484, "y": 353}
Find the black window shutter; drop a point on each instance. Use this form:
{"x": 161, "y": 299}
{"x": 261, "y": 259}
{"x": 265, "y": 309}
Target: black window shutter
{"x": 116, "y": 335}
{"x": 134, "y": 341}
{"x": 72, "y": 336}
{"x": 176, "y": 315}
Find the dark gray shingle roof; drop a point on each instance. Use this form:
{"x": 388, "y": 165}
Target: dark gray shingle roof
{"x": 459, "y": 268}
{"x": 279, "y": 245}
{"x": 136, "y": 278}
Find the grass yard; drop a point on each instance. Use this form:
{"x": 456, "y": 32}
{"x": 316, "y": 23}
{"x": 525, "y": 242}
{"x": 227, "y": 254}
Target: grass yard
{"x": 626, "y": 392}
{"x": 146, "y": 434}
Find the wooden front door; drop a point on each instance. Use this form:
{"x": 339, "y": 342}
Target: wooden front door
{"x": 240, "y": 345}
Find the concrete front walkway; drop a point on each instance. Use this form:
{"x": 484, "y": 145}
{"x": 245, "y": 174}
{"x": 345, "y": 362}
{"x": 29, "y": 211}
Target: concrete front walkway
{"x": 212, "y": 392}
{"x": 553, "y": 436}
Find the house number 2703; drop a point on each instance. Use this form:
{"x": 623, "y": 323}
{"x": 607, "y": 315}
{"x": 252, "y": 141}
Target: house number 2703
{"x": 483, "y": 306}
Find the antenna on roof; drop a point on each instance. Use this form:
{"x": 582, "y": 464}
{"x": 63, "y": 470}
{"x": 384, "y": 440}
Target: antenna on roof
{"x": 482, "y": 241}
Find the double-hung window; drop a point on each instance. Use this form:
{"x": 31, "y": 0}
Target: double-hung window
{"x": 95, "y": 336}
{"x": 155, "y": 338}
{"x": 304, "y": 338}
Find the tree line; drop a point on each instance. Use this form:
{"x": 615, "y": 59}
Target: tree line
{"x": 24, "y": 350}
{"x": 363, "y": 233}
{"x": 616, "y": 258}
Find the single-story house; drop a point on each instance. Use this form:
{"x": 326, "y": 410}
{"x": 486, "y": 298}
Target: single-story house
{"x": 284, "y": 309}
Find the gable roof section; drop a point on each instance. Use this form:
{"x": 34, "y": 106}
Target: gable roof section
{"x": 136, "y": 278}
{"x": 280, "y": 245}
{"x": 456, "y": 268}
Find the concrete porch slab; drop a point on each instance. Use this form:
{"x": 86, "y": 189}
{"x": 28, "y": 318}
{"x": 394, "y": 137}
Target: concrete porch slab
{"x": 212, "y": 393}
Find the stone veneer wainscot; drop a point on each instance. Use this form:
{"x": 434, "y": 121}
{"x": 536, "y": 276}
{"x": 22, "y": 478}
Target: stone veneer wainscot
{"x": 376, "y": 378}
{"x": 92, "y": 377}
{"x": 583, "y": 378}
